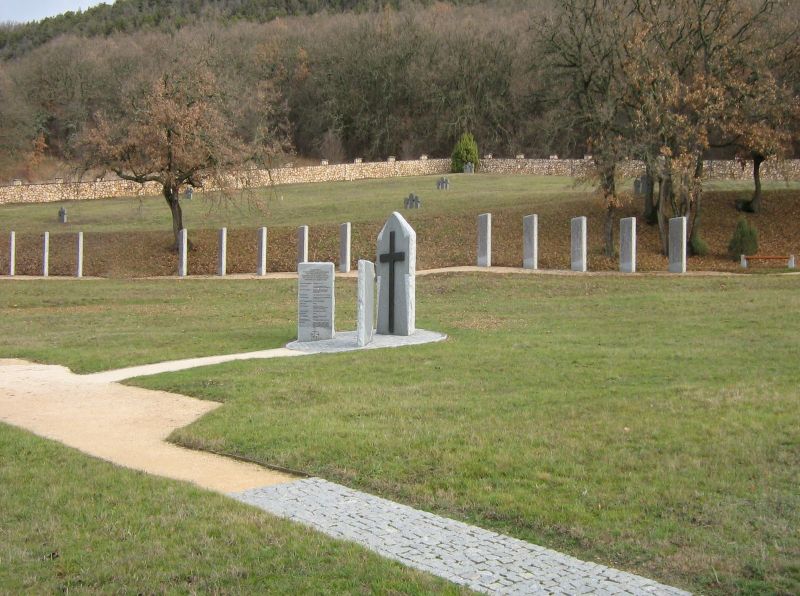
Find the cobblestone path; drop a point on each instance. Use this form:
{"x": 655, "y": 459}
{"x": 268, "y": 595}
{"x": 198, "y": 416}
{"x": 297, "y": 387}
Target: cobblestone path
{"x": 482, "y": 560}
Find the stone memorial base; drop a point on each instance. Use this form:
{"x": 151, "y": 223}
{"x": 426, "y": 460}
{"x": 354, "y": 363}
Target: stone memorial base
{"x": 347, "y": 341}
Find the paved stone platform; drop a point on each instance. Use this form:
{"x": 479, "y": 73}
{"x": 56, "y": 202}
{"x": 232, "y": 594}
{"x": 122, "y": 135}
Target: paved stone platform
{"x": 346, "y": 341}
{"x": 467, "y": 555}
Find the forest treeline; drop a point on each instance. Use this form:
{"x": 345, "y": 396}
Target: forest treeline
{"x": 126, "y": 16}
{"x": 345, "y": 85}
{"x": 369, "y": 84}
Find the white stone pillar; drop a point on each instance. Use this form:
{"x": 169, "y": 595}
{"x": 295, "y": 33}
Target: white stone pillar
{"x": 182, "y": 250}
{"x": 262, "y": 251}
{"x": 222, "y": 263}
{"x": 485, "y": 240}
{"x": 530, "y": 242}
{"x": 79, "y": 257}
{"x": 627, "y": 245}
{"x": 578, "y": 244}
{"x": 46, "y": 255}
{"x": 677, "y": 245}
{"x": 344, "y": 247}
{"x": 302, "y": 244}
{"x": 365, "y": 308}
{"x": 12, "y": 254}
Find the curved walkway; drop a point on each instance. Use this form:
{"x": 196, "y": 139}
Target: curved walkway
{"x": 128, "y": 426}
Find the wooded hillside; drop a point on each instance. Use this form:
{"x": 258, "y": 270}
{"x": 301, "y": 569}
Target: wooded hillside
{"x": 126, "y": 16}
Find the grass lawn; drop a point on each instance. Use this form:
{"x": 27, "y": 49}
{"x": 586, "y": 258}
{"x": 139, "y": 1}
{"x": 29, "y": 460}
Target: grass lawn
{"x": 646, "y": 423}
{"x": 74, "y": 524}
{"x": 292, "y": 205}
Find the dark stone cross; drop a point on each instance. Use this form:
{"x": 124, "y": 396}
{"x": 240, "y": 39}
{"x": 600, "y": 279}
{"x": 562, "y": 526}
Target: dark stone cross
{"x": 392, "y": 257}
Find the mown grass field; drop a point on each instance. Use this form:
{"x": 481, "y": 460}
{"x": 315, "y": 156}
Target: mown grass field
{"x": 649, "y": 423}
{"x": 132, "y": 237}
{"x": 72, "y": 524}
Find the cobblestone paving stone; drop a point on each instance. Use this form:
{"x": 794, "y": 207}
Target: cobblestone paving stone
{"x": 467, "y": 555}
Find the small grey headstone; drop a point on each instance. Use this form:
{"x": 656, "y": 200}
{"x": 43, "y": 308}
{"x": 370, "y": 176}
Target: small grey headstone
{"x": 530, "y": 242}
{"x": 485, "y": 240}
{"x": 677, "y": 245}
{"x": 365, "y": 316}
{"x": 578, "y": 244}
{"x": 627, "y": 245}
{"x": 396, "y": 269}
{"x": 315, "y": 301}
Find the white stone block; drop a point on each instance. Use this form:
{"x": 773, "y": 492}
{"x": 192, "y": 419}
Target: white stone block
{"x": 182, "y": 250}
{"x": 79, "y": 257}
{"x": 262, "y": 251}
{"x": 396, "y": 269}
{"x": 578, "y": 244}
{"x": 315, "y": 301}
{"x": 222, "y": 261}
{"x": 627, "y": 245}
{"x": 302, "y": 244}
{"x": 344, "y": 248}
{"x": 365, "y": 315}
{"x": 530, "y": 242}
{"x": 12, "y": 254}
{"x": 677, "y": 245}
{"x": 46, "y": 255}
{"x": 485, "y": 240}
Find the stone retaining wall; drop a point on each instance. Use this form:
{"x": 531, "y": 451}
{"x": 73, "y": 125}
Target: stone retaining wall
{"x": 63, "y": 191}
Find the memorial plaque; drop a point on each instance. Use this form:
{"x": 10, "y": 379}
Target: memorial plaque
{"x": 315, "y": 301}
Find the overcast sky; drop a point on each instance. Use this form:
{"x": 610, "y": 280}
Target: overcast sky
{"x": 22, "y": 11}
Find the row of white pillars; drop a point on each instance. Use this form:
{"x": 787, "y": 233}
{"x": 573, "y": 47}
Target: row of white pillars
{"x": 261, "y": 267}
{"x": 12, "y": 255}
{"x": 578, "y": 247}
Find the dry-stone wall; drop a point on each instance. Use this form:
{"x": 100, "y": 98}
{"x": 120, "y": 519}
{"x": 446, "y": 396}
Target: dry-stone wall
{"x": 63, "y": 191}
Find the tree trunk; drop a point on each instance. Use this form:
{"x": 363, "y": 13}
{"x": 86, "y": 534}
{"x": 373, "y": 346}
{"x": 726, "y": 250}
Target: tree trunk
{"x": 609, "y": 187}
{"x": 650, "y": 216}
{"x": 755, "y": 203}
{"x": 172, "y": 198}
{"x": 693, "y": 212}
{"x": 609, "y": 231}
{"x": 664, "y": 190}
